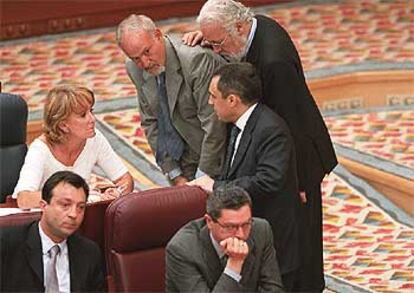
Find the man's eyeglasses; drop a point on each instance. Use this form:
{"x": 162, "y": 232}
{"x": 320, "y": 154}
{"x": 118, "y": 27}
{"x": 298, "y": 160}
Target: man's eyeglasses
{"x": 231, "y": 228}
{"x": 215, "y": 44}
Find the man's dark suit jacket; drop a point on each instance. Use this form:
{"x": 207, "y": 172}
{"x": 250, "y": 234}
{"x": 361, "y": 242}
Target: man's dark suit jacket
{"x": 285, "y": 91}
{"x": 21, "y": 263}
{"x": 193, "y": 265}
{"x": 265, "y": 166}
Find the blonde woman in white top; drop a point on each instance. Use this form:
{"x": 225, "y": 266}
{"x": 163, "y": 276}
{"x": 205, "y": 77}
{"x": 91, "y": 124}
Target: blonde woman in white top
{"x": 70, "y": 141}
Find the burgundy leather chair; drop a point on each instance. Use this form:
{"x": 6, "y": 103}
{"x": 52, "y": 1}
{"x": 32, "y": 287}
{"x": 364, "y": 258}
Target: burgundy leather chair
{"x": 19, "y": 219}
{"x": 138, "y": 226}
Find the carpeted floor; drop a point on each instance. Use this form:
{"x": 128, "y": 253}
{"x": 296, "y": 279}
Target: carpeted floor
{"x": 368, "y": 241}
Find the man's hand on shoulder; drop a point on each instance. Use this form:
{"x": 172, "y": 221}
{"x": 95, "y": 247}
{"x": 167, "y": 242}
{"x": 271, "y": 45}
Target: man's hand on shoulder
{"x": 205, "y": 182}
{"x": 193, "y": 38}
{"x": 237, "y": 251}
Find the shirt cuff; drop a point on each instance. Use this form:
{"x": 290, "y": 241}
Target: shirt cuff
{"x": 174, "y": 173}
{"x": 199, "y": 173}
{"x": 232, "y": 274}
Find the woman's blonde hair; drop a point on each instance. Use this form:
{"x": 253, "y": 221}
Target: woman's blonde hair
{"x": 61, "y": 102}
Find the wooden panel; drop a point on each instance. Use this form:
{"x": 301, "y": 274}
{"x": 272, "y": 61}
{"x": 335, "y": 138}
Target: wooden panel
{"x": 364, "y": 89}
{"x": 399, "y": 190}
{"x": 26, "y": 18}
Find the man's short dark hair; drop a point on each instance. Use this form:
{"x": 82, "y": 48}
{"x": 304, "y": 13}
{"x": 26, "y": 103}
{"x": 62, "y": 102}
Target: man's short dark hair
{"x": 240, "y": 79}
{"x": 232, "y": 198}
{"x": 63, "y": 176}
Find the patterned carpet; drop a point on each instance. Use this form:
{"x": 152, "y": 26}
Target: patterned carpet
{"x": 363, "y": 245}
{"x": 388, "y": 135}
{"x": 368, "y": 242}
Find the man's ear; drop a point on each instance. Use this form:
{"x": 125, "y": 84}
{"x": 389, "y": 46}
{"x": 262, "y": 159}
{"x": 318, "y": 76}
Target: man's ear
{"x": 42, "y": 204}
{"x": 239, "y": 27}
{"x": 242, "y": 28}
{"x": 208, "y": 220}
{"x": 158, "y": 34}
{"x": 233, "y": 99}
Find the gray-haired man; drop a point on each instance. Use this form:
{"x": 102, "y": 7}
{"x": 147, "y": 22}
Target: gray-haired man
{"x": 226, "y": 251}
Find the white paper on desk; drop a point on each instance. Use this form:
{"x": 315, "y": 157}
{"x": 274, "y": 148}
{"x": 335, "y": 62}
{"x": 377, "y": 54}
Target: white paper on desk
{"x": 11, "y": 211}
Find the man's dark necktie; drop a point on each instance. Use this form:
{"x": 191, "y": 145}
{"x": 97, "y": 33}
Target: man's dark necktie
{"x": 223, "y": 261}
{"x": 230, "y": 148}
{"x": 169, "y": 142}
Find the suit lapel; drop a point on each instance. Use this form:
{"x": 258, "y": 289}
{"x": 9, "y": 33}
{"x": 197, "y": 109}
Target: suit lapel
{"x": 248, "y": 263}
{"x": 245, "y": 140}
{"x": 75, "y": 264}
{"x": 172, "y": 75}
{"x": 210, "y": 257}
{"x": 241, "y": 151}
{"x": 34, "y": 251}
{"x": 150, "y": 89}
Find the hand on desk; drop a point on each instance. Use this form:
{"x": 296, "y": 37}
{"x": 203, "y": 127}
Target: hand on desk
{"x": 205, "y": 182}
{"x": 180, "y": 180}
{"x": 110, "y": 193}
{"x": 302, "y": 195}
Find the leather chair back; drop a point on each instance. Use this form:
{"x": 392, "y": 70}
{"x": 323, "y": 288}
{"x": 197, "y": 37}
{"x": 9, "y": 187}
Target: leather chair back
{"x": 13, "y": 121}
{"x": 138, "y": 227}
{"x": 19, "y": 219}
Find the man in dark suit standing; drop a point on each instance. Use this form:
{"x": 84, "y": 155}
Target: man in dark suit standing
{"x": 233, "y": 31}
{"x": 260, "y": 158}
{"x": 47, "y": 256}
{"x": 226, "y": 251}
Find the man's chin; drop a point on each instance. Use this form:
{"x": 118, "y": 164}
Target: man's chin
{"x": 68, "y": 230}
{"x": 156, "y": 70}
{"x": 232, "y": 58}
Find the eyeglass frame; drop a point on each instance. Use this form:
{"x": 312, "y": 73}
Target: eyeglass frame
{"x": 231, "y": 228}
{"x": 216, "y": 44}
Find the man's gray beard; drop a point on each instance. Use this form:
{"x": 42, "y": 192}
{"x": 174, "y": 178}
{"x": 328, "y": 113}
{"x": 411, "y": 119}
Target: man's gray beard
{"x": 237, "y": 57}
{"x": 234, "y": 57}
{"x": 160, "y": 70}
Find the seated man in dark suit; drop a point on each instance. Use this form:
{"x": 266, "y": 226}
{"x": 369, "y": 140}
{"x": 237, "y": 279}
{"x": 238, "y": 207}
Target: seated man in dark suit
{"x": 47, "y": 256}
{"x": 260, "y": 158}
{"x": 226, "y": 251}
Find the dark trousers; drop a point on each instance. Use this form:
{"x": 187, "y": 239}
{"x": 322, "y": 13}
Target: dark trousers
{"x": 310, "y": 276}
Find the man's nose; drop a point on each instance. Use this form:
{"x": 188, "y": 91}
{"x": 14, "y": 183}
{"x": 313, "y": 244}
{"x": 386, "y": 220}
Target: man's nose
{"x": 144, "y": 62}
{"x": 73, "y": 212}
{"x": 240, "y": 233}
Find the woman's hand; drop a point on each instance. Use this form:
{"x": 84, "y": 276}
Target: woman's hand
{"x": 110, "y": 193}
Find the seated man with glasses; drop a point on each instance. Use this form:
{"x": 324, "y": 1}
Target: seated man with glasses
{"x": 227, "y": 250}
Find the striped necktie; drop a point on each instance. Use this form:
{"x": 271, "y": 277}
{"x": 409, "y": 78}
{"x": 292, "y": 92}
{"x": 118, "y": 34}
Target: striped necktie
{"x": 52, "y": 283}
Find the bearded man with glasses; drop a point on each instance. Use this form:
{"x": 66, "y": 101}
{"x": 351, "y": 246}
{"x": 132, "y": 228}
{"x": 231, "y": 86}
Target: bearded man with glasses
{"x": 225, "y": 251}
